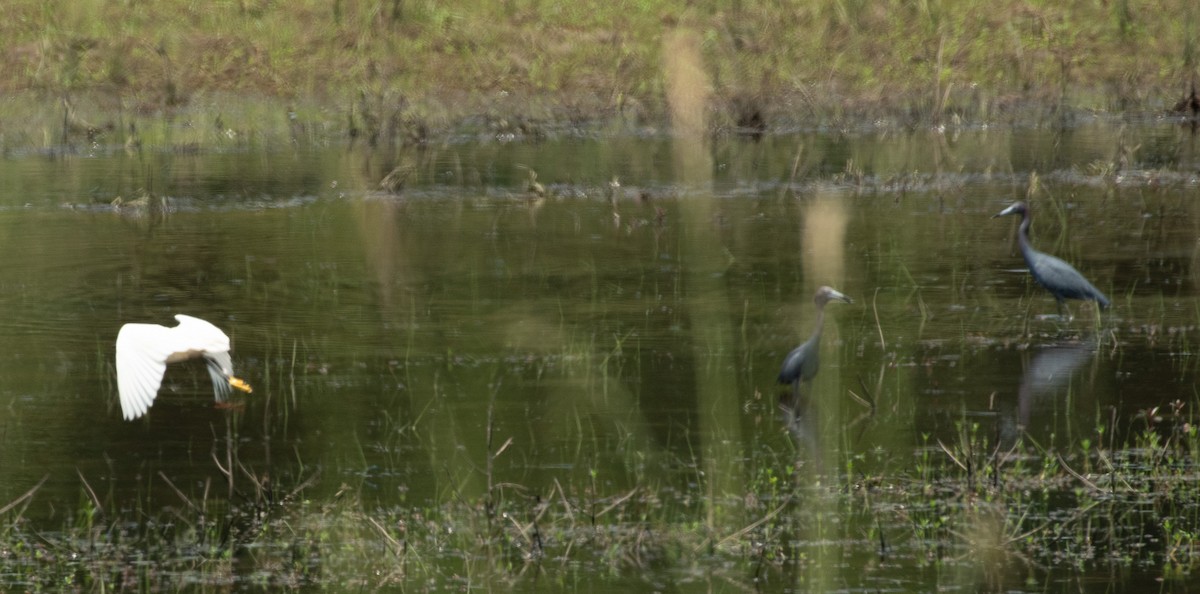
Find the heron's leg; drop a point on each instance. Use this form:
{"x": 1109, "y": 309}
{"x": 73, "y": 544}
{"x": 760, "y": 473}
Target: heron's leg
{"x": 1061, "y": 306}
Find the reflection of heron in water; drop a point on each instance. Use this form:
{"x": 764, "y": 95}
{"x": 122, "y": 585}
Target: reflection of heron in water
{"x": 800, "y": 419}
{"x": 1048, "y": 371}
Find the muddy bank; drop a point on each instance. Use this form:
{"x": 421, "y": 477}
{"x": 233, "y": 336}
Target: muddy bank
{"x": 410, "y": 71}
{"x": 79, "y": 121}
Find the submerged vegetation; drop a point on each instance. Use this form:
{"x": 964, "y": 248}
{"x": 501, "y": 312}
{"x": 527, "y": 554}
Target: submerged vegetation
{"x": 976, "y": 503}
{"x": 399, "y": 71}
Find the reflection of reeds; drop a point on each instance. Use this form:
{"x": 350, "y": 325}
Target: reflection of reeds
{"x": 687, "y": 84}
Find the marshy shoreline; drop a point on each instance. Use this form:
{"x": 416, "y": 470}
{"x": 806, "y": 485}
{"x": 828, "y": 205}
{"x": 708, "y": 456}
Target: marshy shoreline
{"x": 410, "y": 72}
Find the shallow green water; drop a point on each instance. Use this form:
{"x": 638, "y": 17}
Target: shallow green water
{"x": 599, "y": 351}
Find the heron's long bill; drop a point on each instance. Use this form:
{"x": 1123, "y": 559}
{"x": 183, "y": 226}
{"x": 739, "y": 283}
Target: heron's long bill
{"x": 240, "y": 384}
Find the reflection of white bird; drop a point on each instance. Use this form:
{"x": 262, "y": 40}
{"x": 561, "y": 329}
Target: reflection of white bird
{"x": 143, "y": 351}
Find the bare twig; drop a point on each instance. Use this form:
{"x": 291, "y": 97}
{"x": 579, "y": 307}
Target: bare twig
{"x": 878, "y": 326}
{"x": 178, "y": 492}
{"x": 90, "y": 492}
{"x": 618, "y": 502}
{"x": 26, "y": 495}
{"x": 396, "y": 546}
{"x": 952, "y": 456}
{"x": 1081, "y": 478}
{"x": 757, "y": 523}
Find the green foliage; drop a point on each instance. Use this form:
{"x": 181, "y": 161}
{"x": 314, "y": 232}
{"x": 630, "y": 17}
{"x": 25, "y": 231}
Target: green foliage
{"x": 595, "y": 56}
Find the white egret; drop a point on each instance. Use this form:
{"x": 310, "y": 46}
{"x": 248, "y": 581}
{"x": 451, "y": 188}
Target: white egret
{"x": 143, "y": 351}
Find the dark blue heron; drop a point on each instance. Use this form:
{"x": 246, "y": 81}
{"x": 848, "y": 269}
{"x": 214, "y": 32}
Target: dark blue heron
{"x": 1058, "y": 277}
{"x": 800, "y": 365}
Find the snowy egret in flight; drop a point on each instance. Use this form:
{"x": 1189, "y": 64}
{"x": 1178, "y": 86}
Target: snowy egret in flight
{"x": 143, "y": 351}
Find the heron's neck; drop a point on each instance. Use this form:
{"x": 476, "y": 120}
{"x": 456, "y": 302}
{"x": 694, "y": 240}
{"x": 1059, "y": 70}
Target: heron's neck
{"x": 816, "y": 333}
{"x": 1023, "y": 236}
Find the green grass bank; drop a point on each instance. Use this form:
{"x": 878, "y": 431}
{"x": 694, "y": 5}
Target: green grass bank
{"x": 407, "y": 68}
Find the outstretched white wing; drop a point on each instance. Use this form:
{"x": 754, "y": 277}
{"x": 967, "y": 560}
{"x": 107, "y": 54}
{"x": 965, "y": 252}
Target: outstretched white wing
{"x": 142, "y": 352}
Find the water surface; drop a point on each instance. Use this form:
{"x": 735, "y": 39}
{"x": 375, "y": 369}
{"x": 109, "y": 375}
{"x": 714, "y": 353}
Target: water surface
{"x": 465, "y": 342}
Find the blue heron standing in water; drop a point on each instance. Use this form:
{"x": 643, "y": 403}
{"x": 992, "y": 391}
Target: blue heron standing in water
{"x": 1055, "y": 275}
{"x": 800, "y": 365}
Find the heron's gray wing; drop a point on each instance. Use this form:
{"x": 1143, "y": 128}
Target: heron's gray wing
{"x": 1060, "y": 277}
{"x": 801, "y": 363}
